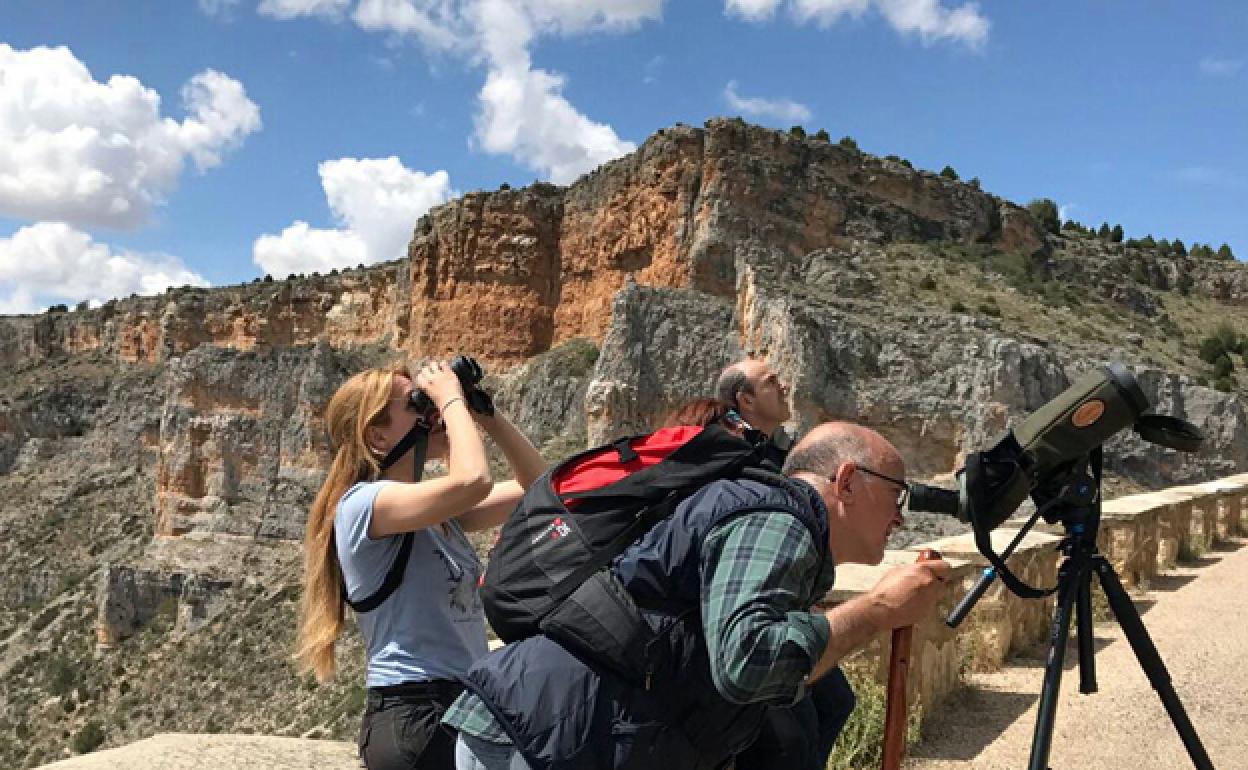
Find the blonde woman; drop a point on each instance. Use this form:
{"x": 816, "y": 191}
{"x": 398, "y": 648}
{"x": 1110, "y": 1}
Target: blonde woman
{"x": 370, "y": 516}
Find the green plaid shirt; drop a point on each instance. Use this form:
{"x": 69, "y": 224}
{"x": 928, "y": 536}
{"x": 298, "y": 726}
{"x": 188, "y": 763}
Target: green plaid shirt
{"x": 762, "y": 639}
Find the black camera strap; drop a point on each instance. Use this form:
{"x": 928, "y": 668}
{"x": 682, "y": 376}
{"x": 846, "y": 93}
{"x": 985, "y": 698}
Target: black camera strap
{"x": 983, "y": 541}
{"x": 417, "y": 439}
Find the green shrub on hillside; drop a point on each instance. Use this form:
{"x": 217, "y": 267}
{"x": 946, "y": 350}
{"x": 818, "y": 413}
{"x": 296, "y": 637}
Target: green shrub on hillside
{"x": 1223, "y": 367}
{"x": 62, "y": 675}
{"x": 1045, "y": 212}
{"x": 948, "y": 173}
{"x": 574, "y": 358}
{"x": 1218, "y": 350}
{"x": 89, "y": 738}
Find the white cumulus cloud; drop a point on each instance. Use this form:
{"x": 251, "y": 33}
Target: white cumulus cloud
{"x": 523, "y": 112}
{"x": 77, "y": 150}
{"x": 292, "y": 9}
{"x": 827, "y": 12}
{"x": 50, "y": 263}
{"x": 437, "y": 24}
{"x": 757, "y": 107}
{"x": 752, "y": 10}
{"x": 930, "y": 20}
{"x": 375, "y": 200}
{"x": 1218, "y": 66}
{"x": 522, "y": 109}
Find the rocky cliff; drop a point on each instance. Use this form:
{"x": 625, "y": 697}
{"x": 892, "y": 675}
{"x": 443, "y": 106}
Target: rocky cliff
{"x": 157, "y": 454}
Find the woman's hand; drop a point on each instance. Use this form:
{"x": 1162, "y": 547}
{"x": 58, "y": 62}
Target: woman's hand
{"x": 439, "y": 382}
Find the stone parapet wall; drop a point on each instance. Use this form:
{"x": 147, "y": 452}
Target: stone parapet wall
{"x": 1141, "y": 535}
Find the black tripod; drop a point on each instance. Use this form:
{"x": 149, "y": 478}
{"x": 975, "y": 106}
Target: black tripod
{"x": 1078, "y": 509}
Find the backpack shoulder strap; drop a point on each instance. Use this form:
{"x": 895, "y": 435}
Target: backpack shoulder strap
{"x": 764, "y": 476}
{"x": 393, "y": 578}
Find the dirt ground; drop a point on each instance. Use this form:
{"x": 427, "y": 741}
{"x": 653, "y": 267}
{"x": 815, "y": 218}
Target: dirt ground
{"x": 179, "y": 751}
{"x": 1197, "y": 616}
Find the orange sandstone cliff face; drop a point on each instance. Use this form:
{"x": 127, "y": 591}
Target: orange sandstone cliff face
{"x": 355, "y": 307}
{"x": 508, "y": 274}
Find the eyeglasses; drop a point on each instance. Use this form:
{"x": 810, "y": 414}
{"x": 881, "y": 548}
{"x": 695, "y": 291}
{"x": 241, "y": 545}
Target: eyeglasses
{"x": 903, "y": 494}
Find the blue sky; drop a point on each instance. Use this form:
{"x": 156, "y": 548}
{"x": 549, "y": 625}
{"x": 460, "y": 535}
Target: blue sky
{"x": 211, "y": 141}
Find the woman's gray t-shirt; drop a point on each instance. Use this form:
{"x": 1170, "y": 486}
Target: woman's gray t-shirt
{"x": 432, "y": 626}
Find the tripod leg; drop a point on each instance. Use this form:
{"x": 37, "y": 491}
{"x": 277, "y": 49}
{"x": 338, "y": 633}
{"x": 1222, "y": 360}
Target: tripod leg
{"x": 1083, "y": 631}
{"x": 1150, "y": 660}
{"x": 1068, "y": 579}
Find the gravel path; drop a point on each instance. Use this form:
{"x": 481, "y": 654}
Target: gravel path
{"x": 1198, "y": 618}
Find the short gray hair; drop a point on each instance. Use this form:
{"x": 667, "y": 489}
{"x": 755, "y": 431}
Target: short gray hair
{"x": 731, "y": 382}
{"x": 823, "y": 455}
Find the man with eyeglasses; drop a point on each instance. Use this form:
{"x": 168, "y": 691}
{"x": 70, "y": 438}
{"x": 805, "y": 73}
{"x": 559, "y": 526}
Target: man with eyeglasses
{"x": 865, "y": 506}
{"x": 800, "y": 737}
{"x": 740, "y": 565}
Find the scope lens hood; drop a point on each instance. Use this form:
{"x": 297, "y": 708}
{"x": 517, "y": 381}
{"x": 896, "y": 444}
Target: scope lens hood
{"x": 1170, "y": 432}
{"x": 1127, "y": 385}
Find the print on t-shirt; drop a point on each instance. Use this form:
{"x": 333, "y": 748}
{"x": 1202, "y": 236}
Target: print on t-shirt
{"x": 462, "y": 593}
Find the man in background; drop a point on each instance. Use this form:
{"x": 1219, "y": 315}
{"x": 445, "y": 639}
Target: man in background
{"x": 800, "y": 737}
{"x": 754, "y": 389}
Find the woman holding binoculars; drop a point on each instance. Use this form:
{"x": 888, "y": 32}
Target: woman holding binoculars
{"x": 394, "y": 547}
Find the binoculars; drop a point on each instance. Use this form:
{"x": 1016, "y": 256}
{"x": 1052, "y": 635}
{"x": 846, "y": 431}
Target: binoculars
{"x": 469, "y": 373}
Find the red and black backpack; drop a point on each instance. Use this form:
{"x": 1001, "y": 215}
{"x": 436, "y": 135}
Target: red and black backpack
{"x": 585, "y": 511}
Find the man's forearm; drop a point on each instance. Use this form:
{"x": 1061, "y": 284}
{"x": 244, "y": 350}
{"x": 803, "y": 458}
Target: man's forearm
{"x": 851, "y": 625}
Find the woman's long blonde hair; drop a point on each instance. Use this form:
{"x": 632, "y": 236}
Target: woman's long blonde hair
{"x": 358, "y": 404}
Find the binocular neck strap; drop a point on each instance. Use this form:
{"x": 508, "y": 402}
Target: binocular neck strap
{"x": 418, "y": 439}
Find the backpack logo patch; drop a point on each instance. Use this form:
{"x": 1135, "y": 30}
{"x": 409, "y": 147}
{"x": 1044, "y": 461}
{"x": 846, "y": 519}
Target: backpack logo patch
{"x": 555, "y": 530}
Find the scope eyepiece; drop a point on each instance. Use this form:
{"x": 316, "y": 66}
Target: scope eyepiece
{"x": 935, "y": 499}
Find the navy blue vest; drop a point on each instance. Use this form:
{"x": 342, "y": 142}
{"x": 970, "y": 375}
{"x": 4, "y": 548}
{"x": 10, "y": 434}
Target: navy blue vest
{"x": 566, "y": 713}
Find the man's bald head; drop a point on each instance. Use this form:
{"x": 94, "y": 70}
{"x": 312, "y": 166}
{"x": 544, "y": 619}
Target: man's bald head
{"x": 756, "y": 391}
{"x": 859, "y": 475}
{"x": 827, "y": 446}
{"x": 732, "y": 380}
